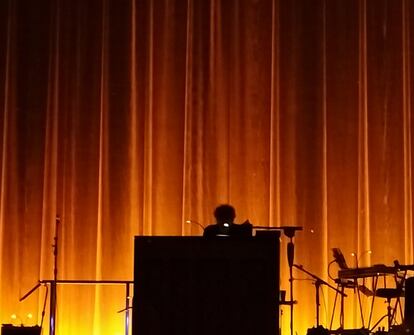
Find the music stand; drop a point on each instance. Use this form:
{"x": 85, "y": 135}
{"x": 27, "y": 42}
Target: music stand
{"x": 339, "y": 258}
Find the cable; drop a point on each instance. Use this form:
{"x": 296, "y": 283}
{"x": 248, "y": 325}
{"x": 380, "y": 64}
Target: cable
{"x": 329, "y": 266}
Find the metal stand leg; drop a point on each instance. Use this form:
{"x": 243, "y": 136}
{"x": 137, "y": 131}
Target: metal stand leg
{"x": 52, "y": 313}
{"x": 127, "y": 307}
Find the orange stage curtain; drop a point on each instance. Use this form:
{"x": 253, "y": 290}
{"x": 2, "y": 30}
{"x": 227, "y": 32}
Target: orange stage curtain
{"x": 129, "y": 117}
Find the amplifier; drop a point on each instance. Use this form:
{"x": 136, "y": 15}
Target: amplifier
{"x": 8, "y": 329}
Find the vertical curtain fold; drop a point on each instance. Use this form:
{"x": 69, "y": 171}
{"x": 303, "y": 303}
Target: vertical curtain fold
{"x": 131, "y": 117}
{"x": 407, "y": 140}
{"x": 363, "y": 162}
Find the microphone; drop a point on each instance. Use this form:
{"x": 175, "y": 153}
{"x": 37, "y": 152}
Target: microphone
{"x": 290, "y": 253}
{"x": 359, "y": 257}
{"x": 195, "y": 222}
{"x": 397, "y": 264}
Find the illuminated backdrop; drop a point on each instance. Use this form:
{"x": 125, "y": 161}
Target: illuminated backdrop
{"x": 129, "y": 117}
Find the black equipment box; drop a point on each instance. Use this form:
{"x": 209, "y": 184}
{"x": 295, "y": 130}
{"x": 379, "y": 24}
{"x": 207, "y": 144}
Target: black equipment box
{"x": 8, "y": 329}
{"x": 203, "y": 286}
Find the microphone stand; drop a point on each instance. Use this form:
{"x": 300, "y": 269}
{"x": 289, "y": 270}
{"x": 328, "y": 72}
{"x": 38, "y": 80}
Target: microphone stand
{"x": 289, "y": 231}
{"x": 31, "y": 291}
{"x": 53, "y": 295}
{"x": 318, "y": 283}
{"x": 53, "y": 283}
{"x": 290, "y": 255}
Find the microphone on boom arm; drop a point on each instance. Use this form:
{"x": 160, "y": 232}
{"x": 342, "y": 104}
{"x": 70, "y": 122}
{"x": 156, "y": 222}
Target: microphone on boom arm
{"x": 196, "y": 223}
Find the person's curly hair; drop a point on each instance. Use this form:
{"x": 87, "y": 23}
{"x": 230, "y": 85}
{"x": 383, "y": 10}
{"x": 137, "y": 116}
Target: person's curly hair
{"x": 225, "y": 213}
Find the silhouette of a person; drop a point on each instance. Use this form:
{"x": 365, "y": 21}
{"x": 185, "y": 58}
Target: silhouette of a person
{"x": 225, "y": 226}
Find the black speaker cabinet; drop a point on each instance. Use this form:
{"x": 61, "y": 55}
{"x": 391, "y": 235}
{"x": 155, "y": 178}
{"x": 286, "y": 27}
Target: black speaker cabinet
{"x": 17, "y": 330}
{"x": 204, "y": 286}
{"x": 409, "y": 305}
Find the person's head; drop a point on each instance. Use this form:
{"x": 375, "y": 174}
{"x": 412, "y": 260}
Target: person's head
{"x": 225, "y": 213}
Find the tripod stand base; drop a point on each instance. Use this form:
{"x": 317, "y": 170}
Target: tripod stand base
{"x": 323, "y": 331}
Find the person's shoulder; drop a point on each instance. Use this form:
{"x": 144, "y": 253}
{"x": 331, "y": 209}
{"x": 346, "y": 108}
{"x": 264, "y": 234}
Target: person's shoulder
{"x": 211, "y": 227}
{"x": 210, "y": 230}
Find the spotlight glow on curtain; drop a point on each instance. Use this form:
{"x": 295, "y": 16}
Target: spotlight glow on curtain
{"x": 129, "y": 117}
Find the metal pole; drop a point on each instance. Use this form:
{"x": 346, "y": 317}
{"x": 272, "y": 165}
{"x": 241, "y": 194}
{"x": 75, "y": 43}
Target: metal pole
{"x": 317, "y": 285}
{"x": 290, "y": 256}
{"x": 127, "y": 307}
{"x": 53, "y": 286}
{"x": 52, "y": 313}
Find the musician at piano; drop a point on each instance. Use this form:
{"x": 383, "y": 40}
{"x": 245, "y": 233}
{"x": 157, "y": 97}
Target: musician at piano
{"x": 225, "y": 215}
